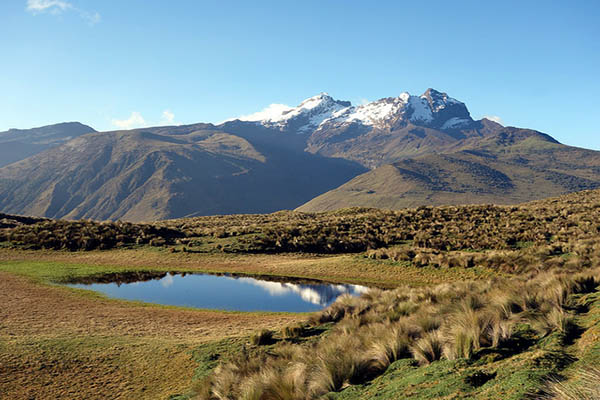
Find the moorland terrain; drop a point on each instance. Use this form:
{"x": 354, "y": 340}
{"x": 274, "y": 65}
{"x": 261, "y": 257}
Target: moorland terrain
{"x": 473, "y": 301}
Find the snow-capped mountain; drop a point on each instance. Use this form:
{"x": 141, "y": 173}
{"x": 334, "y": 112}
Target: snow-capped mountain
{"x": 432, "y": 109}
{"x": 420, "y": 150}
{"x": 306, "y": 117}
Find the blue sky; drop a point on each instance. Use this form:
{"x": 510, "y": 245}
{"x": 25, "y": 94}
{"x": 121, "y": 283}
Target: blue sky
{"x": 110, "y": 63}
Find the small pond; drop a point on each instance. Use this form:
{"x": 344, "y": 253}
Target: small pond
{"x": 226, "y": 292}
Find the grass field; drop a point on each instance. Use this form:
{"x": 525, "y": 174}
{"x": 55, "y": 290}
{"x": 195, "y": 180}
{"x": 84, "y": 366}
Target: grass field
{"x": 490, "y": 302}
{"x": 57, "y": 342}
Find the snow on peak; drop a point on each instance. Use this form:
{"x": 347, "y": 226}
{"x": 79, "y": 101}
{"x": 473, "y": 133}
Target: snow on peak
{"x": 315, "y": 101}
{"x": 438, "y": 100}
{"x": 323, "y": 111}
{"x": 455, "y": 122}
{"x": 421, "y": 110}
{"x": 376, "y": 111}
{"x": 309, "y": 113}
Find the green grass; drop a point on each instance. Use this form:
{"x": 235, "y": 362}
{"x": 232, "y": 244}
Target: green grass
{"x": 465, "y": 340}
{"x": 511, "y": 378}
{"x": 514, "y": 377}
{"x": 56, "y": 272}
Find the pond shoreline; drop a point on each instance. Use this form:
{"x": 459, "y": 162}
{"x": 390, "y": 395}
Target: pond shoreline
{"x": 224, "y": 291}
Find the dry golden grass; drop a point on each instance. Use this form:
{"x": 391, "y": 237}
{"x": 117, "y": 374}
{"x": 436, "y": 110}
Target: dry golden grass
{"x": 451, "y": 321}
{"x": 336, "y": 268}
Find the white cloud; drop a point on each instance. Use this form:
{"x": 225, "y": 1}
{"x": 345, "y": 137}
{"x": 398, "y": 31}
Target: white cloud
{"x": 167, "y": 281}
{"x": 272, "y": 112}
{"x": 494, "y": 118}
{"x": 54, "y": 6}
{"x": 168, "y": 118}
{"x": 58, "y": 6}
{"x": 135, "y": 120}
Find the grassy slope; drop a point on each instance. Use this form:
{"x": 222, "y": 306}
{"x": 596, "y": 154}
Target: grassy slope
{"x": 514, "y": 377}
{"x": 86, "y": 352}
{"x": 515, "y": 369}
{"x": 156, "y": 173}
{"x": 489, "y": 172}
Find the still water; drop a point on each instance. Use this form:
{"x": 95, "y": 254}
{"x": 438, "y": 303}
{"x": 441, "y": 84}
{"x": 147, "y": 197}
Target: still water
{"x": 228, "y": 292}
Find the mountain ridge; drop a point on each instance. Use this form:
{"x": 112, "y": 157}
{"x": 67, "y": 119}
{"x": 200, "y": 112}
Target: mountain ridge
{"x": 512, "y": 166}
{"x": 148, "y": 174}
{"x": 17, "y": 144}
{"x": 320, "y": 155}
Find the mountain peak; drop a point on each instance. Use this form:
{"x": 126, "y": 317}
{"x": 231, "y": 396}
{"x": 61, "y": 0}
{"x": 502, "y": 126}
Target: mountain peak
{"x": 308, "y": 115}
{"x": 322, "y": 98}
{"x": 433, "y": 92}
{"x": 17, "y": 144}
{"x": 433, "y": 109}
{"x": 439, "y": 110}
{"x": 438, "y": 100}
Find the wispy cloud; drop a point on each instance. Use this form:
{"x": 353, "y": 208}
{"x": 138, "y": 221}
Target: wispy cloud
{"x": 135, "y": 120}
{"x": 54, "y": 6}
{"x": 168, "y": 118}
{"x": 272, "y": 112}
{"x": 59, "y": 6}
{"x": 91, "y": 17}
{"x": 494, "y": 118}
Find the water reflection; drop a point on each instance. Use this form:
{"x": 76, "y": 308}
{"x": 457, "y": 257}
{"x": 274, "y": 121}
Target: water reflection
{"x": 228, "y": 292}
{"x": 318, "y": 294}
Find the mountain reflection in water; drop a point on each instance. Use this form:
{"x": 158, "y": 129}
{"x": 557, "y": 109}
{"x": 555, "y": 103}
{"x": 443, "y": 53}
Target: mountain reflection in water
{"x": 320, "y": 294}
{"x": 228, "y": 292}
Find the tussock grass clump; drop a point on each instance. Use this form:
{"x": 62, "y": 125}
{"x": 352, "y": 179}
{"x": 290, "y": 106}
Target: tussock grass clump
{"x": 428, "y": 348}
{"x": 335, "y": 366}
{"x": 585, "y": 385}
{"x": 389, "y": 344}
{"x": 293, "y": 331}
{"x": 451, "y": 321}
{"x": 554, "y": 320}
{"x": 262, "y": 338}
